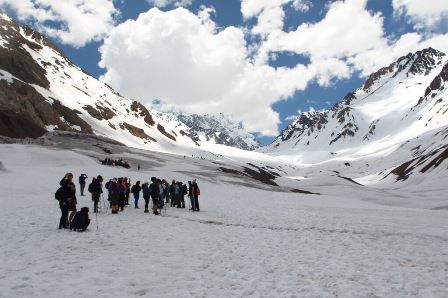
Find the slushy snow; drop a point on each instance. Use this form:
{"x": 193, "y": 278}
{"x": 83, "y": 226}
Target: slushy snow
{"x": 245, "y": 242}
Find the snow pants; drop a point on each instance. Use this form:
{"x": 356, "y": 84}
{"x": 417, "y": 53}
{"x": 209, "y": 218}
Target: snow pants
{"x": 136, "y": 198}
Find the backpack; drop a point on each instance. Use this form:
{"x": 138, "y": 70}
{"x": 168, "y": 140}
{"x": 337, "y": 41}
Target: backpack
{"x": 90, "y": 189}
{"x": 184, "y": 190}
{"x": 59, "y": 194}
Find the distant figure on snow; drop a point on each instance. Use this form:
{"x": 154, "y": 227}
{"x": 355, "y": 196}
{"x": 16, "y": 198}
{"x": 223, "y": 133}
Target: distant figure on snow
{"x": 82, "y": 183}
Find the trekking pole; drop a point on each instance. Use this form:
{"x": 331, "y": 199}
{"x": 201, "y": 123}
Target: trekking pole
{"x": 105, "y": 204}
{"x": 96, "y": 216}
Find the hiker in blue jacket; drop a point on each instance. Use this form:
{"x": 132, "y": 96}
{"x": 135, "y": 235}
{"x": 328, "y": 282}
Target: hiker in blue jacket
{"x": 146, "y": 195}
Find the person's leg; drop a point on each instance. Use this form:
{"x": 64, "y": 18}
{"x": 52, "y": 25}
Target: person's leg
{"x": 83, "y": 185}
{"x": 136, "y": 197}
{"x": 72, "y": 215}
{"x": 63, "y": 219}
{"x": 196, "y": 203}
{"x": 146, "y": 203}
{"x": 192, "y": 203}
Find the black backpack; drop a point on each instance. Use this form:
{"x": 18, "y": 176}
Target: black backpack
{"x": 90, "y": 189}
{"x": 59, "y": 194}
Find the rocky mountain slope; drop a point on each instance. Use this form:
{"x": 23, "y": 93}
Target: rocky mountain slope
{"x": 395, "y": 122}
{"x": 42, "y": 90}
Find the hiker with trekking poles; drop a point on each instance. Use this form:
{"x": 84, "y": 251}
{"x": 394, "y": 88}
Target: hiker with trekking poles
{"x": 96, "y": 189}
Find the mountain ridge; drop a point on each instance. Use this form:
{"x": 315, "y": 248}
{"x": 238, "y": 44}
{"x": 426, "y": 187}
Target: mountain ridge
{"x": 39, "y": 83}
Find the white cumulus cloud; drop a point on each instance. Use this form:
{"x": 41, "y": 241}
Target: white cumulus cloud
{"x": 337, "y": 47}
{"x": 164, "y": 3}
{"x": 424, "y": 13}
{"x": 182, "y": 59}
{"x": 74, "y": 22}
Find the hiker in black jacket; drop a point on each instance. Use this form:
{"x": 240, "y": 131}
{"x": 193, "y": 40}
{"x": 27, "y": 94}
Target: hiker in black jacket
{"x": 136, "y": 192}
{"x": 68, "y": 196}
{"x": 82, "y": 183}
{"x": 154, "y": 186}
{"x": 96, "y": 189}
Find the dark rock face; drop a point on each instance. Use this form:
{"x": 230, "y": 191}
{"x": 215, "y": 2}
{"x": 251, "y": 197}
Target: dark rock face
{"x": 19, "y": 98}
{"x": 138, "y": 132}
{"x": 16, "y": 60}
{"x": 421, "y": 62}
{"x": 25, "y": 112}
{"x": 424, "y": 61}
{"x": 100, "y": 112}
{"x": 166, "y": 134}
{"x": 309, "y": 120}
{"x": 438, "y": 81}
{"x": 142, "y": 111}
{"x": 16, "y": 125}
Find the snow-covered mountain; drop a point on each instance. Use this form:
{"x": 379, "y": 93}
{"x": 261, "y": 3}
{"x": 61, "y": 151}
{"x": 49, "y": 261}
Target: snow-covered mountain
{"x": 42, "y": 90}
{"x": 220, "y": 129}
{"x": 395, "y": 106}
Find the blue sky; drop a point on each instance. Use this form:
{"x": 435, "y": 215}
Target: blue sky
{"x": 272, "y": 46}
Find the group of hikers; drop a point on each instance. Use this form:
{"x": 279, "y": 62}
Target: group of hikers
{"x": 115, "y": 162}
{"x": 158, "y": 191}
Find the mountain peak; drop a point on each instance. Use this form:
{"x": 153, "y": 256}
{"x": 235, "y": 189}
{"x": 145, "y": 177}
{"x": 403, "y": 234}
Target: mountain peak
{"x": 418, "y": 63}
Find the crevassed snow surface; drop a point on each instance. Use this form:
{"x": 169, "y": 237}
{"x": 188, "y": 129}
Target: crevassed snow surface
{"x": 244, "y": 242}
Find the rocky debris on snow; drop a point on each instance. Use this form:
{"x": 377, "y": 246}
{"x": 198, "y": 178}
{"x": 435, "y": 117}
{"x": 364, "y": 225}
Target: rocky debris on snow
{"x": 138, "y": 132}
{"x": 143, "y": 112}
{"x": 99, "y": 112}
{"x": 165, "y": 133}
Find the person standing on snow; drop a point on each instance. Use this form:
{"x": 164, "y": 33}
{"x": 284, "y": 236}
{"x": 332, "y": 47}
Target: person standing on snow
{"x": 172, "y": 191}
{"x": 146, "y": 195}
{"x": 196, "y": 193}
{"x": 82, "y": 183}
{"x": 114, "y": 193}
{"x": 154, "y": 187}
{"x": 96, "y": 189}
{"x": 136, "y": 193}
{"x": 64, "y": 194}
{"x": 161, "y": 191}
{"x": 69, "y": 190}
{"x": 190, "y": 195}
{"x": 127, "y": 186}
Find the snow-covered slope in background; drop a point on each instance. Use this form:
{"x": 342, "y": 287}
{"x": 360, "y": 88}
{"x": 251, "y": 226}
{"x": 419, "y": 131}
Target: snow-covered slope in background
{"x": 397, "y": 116}
{"x": 383, "y": 113}
{"x": 48, "y": 92}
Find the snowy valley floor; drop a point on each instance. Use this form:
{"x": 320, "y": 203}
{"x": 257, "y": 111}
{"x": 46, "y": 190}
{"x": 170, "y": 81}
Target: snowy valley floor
{"x": 245, "y": 242}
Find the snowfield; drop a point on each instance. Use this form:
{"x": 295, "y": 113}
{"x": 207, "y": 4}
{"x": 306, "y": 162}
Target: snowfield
{"x": 246, "y": 241}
